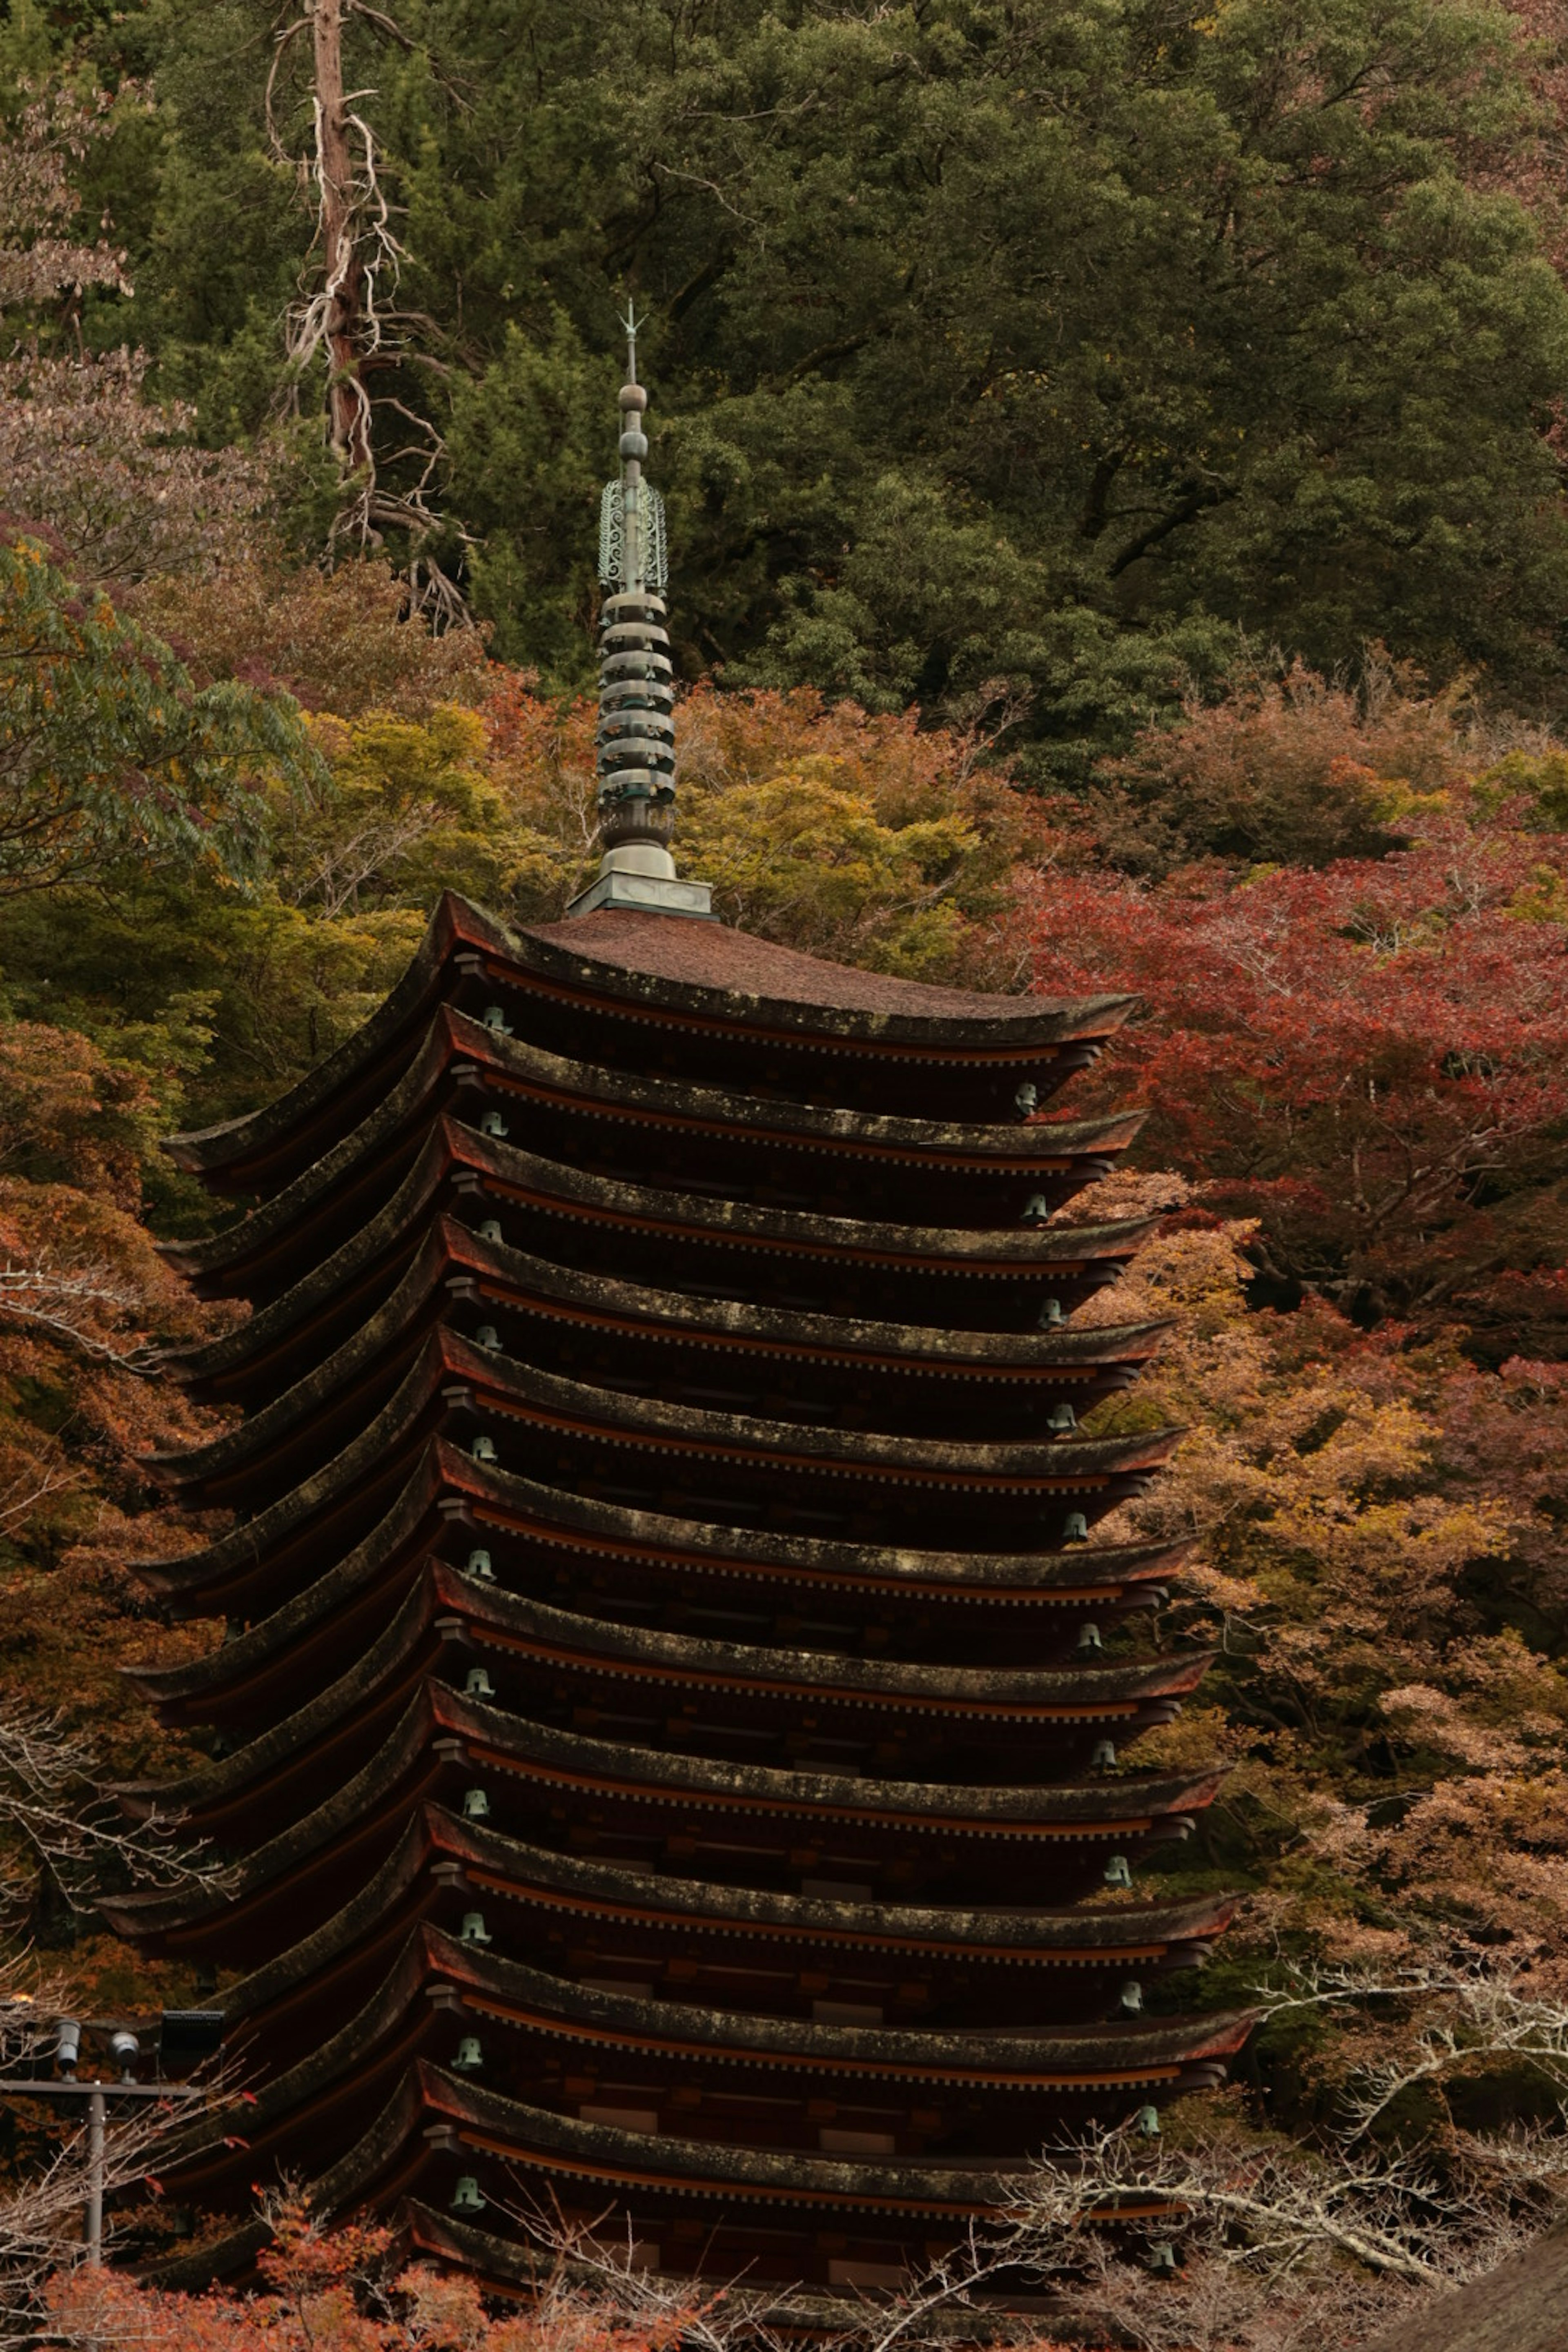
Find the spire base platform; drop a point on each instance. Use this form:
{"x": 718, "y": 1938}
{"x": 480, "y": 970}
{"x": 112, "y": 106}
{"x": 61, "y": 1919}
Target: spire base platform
{"x": 648, "y": 894}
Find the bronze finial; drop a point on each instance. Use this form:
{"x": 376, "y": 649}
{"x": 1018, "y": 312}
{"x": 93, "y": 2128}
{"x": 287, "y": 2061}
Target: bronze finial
{"x": 636, "y": 684}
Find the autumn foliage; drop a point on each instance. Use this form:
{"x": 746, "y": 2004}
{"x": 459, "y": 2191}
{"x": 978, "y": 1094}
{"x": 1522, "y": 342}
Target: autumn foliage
{"x": 343, "y": 2289}
{"x": 232, "y": 780}
{"x": 1370, "y": 1057}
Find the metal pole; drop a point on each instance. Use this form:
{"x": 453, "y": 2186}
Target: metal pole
{"x": 94, "y": 2233}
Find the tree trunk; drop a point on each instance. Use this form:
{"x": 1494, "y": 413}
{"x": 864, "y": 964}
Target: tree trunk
{"x": 348, "y": 409}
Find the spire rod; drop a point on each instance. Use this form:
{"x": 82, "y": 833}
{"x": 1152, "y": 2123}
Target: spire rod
{"x": 636, "y": 682}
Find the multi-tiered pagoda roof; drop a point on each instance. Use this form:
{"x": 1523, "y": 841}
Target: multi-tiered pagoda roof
{"x": 669, "y": 1730}
{"x": 666, "y": 1654}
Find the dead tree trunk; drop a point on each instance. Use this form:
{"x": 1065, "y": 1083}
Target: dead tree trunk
{"x": 347, "y": 314}
{"x": 343, "y": 290}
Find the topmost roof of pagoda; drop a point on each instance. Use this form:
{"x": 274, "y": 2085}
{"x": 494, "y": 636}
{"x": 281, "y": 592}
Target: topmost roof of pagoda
{"x": 677, "y": 973}
{"x": 672, "y": 961}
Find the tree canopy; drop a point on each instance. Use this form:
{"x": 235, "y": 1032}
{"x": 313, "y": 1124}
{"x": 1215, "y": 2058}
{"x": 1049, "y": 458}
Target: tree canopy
{"x": 1114, "y": 462}
{"x": 1082, "y": 346}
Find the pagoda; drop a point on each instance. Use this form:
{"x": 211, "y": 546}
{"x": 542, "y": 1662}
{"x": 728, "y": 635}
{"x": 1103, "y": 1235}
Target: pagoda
{"x": 669, "y": 1731}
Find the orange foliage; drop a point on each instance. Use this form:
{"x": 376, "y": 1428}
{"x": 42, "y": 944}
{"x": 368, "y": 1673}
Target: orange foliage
{"x": 863, "y": 838}
{"x": 1298, "y": 768}
{"x": 86, "y": 1303}
{"x": 1377, "y": 1527}
{"x": 339, "y": 640}
{"x": 341, "y": 2290}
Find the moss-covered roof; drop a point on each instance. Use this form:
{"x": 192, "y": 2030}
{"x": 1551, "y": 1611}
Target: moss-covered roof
{"x": 746, "y": 1130}
{"x": 378, "y": 2040}
{"x": 1127, "y": 1806}
{"x": 1048, "y": 1362}
{"x": 562, "y": 2148}
{"x": 974, "y": 1698}
{"x": 687, "y": 1661}
{"x": 574, "y": 1764}
{"x": 650, "y": 964}
{"x": 589, "y": 1530}
{"x": 449, "y": 1370}
{"x": 728, "y": 976}
{"x": 1111, "y": 1933}
{"x": 1124, "y": 2053}
{"x": 645, "y": 1215}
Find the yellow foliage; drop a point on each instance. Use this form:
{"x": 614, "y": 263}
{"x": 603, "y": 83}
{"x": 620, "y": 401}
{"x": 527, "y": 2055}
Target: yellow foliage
{"x": 1329, "y": 1550}
{"x": 410, "y": 809}
{"x": 864, "y": 839}
{"x": 804, "y": 856}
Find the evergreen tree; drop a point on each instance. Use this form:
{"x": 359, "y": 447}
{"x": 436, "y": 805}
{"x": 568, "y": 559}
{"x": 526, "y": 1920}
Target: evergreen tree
{"x": 1068, "y": 344}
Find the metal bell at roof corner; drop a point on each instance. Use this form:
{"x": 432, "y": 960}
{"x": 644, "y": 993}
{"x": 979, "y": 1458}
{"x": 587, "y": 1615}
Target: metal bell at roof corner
{"x": 1162, "y": 2258}
{"x": 488, "y": 1337}
{"x": 1146, "y": 2123}
{"x": 1076, "y": 1530}
{"x": 491, "y": 1231}
{"x": 1027, "y": 1101}
{"x": 466, "y": 2198}
{"x": 1061, "y": 1420}
{"x": 1132, "y": 1997}
{"x": 473, "y": 1930}
{"x": 493, "y": 1018}
{"x": 483, "y": 1448}
{"x": 1118, "y": 1872}
{"x": 470, "y": 2058}
{"x": 1104, "y": 1757}
{"x": 492, "y": 1123}
{"x": 1051, "y": 1316}
{"x": 479, "y": 1567}
{"x": 478, "y": 1685}
{"x": 1088, "y": 1638}
{"x": 475, "y": 1805}
{"x": 1036, "y": 1210}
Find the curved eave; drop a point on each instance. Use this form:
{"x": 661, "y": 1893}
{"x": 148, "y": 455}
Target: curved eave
{"x": 533, "y": 1628}
{"x": 448, "y": 1370}
{"x": 265, "y": 1230}
{"x": 1128, "y": 1807}
{"x": 601, "y": 1306}
{"x": 974, "y": 1699}
{"x": 556, "y": 1884}
{"x": 374, "y": 1678}
{"x": 389, "y": 1908}
{"x": 1022, "y": 1152}
{"x": 1123, "y": 2056}
{"x": 1019, "y": 1148}
{"x": 444, "y": 1149}
{"x": 384, "y": 2033}
{"x": 603, "y": 1302}
{"x": 582, "y": 1529}
{"x": 602, "y": 2155}
{"x": 575, "y": 1766}
{"x": 729, "y": 980}
{"x": 561, "y": 1885}
{"x": 615, "y": 1531}
{"x": 357, "y": 1811}
{"x": 455, "y": 925}
{"x": 796, "y": 1000}
{"x": 409, "y": 1517}
{"x": 1012, "y": 1249}
{"x": 652, "y": 1217}
{"x": 500, "y": 1385}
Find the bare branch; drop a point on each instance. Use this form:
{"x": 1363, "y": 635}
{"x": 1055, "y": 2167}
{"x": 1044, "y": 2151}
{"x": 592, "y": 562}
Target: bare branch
{"x": 55, "y": 1809}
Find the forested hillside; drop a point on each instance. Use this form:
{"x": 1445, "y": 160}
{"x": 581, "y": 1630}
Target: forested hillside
{"x": 1114, "y": 460}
